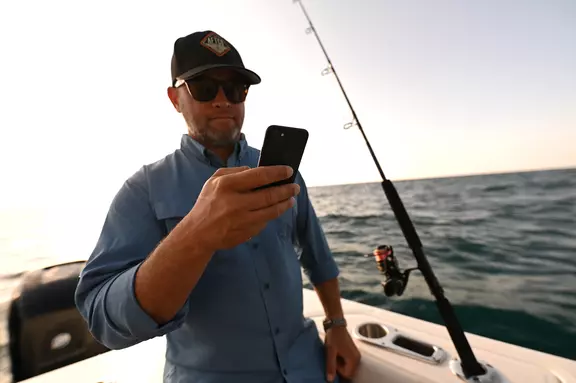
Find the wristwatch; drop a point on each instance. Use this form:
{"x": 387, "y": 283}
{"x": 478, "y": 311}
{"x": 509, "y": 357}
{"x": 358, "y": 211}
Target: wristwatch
{"x": 336, "y": 322}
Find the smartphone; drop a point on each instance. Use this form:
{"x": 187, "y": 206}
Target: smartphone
{"x": 283, "y": 145}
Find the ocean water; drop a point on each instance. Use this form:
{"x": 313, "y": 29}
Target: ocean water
{"x": 503, "y": 247}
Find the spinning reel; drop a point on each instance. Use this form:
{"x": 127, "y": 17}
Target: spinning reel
{"x": 396, "y": 280}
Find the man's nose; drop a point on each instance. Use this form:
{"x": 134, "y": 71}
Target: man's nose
{"x": 220, "y": 101}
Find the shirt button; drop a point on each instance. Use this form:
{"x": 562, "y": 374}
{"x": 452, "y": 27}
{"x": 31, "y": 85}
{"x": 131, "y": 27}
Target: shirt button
{"x": 285, "y": 372}
{"x": 266, "y": 286}
{"x": 276, "y": 331}
{"x": 255, "y": 245}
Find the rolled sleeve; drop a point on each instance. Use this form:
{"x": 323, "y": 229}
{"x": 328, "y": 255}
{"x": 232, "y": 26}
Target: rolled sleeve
{"x": 124, "y": 312}
{"x": 316, "y": 258}
{"x": 105, "y": 294}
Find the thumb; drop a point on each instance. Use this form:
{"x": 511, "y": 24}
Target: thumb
{"x": 330, "y": 363}
{"x": 224, "y": 171}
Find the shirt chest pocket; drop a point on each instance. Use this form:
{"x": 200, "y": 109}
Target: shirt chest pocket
{"x": 285, "y": 225}
{"x": 223, "y": 263}
{"x": 170, "y": 215}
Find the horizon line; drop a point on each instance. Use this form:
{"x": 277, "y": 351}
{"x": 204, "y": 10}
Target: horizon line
{"x": 456, "y": 175}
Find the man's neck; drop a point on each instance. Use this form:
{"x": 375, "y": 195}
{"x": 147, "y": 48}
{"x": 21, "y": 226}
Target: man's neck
{"x": 222, "y": 152}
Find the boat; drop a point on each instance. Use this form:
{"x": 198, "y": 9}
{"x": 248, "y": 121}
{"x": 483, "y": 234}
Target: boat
{"x": 50, "y": 341}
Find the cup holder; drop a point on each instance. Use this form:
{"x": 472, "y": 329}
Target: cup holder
{"x": 372, "y": 330}
{"x": 392, "y": 339}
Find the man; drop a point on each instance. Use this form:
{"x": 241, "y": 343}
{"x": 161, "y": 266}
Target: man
{"x": 190, "y": 251}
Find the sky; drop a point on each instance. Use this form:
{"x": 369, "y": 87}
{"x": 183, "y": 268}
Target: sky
{"x": 441, "y": 88}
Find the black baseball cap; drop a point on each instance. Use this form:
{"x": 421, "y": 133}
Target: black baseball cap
{"x": 200, "y": 51}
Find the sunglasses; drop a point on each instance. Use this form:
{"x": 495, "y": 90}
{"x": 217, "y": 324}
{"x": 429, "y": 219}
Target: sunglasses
{"x": 204, "y": 89}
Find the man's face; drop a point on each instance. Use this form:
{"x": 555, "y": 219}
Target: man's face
{"x": 216, "y": 123}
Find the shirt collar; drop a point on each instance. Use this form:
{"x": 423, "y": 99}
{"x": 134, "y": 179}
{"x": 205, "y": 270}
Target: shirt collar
{"x": 194, "y": 149}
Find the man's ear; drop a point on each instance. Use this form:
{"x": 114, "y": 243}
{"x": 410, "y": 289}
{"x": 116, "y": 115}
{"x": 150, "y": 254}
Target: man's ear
{"x": 173, "y": 96}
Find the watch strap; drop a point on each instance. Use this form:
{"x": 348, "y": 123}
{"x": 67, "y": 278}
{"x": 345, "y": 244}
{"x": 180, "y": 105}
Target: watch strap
{"x": 335, "y": 322}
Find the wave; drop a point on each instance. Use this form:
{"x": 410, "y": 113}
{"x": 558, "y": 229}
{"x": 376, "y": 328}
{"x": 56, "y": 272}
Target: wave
{"x": 338, "y": 217}
{"x": 498, "y": 188}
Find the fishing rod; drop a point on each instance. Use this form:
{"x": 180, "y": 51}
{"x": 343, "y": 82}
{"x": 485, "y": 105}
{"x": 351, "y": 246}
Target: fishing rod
{"x": 470, "y": 365}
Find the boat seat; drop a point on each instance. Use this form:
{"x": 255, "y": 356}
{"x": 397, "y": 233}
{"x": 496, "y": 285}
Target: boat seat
{"x": 46, "y": 331}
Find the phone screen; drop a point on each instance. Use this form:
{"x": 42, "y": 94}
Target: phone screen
{"x": 283, "y": 146}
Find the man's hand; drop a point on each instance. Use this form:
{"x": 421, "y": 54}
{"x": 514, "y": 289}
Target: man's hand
{"x": 226, "y": 214}
{"x": 342, "y": 355}
{"x": 229, "y": 212}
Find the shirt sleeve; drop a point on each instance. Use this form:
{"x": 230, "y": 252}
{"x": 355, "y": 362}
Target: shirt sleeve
{"x": 316, "y": 258}
{"x": 105, "y": 292}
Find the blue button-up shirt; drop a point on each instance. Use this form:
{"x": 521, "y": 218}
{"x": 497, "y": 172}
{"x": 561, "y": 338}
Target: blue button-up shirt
{"x": 243, "y": 321}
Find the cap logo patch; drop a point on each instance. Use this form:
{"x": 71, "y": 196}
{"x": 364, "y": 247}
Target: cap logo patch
{"x": 216, "y": 44}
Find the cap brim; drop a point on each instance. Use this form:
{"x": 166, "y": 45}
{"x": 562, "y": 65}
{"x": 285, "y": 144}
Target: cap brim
{"x": 252, "y": 77}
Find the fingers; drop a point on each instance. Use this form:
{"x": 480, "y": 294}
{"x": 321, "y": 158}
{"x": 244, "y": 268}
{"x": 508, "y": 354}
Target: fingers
{"x": 347, "y": 368}
{"x": 256, "y": 177}
{"x": 225, "y": 171}
{"x": 267, "y": 197}
{"x": 347, "y": 365}
{"x": 330, "y": 363}
{"x": 269, "y": 213}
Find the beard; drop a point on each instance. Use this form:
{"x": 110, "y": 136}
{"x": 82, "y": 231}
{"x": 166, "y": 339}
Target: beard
{"x": 219, "y": 139}
{"x": 215, "y": 136}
